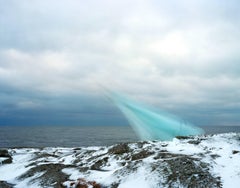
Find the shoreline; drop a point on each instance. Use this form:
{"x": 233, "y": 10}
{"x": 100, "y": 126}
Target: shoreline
{"x": 204, "y": 159}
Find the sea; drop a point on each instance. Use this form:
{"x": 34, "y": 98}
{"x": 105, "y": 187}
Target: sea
{"x": 77, "y": 136}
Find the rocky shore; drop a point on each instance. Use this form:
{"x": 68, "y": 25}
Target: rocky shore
{"x": 201, "y": 161}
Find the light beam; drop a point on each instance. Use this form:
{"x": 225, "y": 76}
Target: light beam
{"x": 150, "y": 124}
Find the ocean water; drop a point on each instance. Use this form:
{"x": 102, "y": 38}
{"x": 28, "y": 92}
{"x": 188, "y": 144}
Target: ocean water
{"x": 77, "y": 136}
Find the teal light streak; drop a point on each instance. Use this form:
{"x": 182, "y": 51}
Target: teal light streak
{"x": 150, "y": 124}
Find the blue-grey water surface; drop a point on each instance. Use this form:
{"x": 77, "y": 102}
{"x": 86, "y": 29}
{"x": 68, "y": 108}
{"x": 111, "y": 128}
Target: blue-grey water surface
{"x": 76, "y": 136}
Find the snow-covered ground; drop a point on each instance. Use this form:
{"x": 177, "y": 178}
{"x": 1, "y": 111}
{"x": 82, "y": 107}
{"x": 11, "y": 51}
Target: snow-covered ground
{"x": 200, "y": 161}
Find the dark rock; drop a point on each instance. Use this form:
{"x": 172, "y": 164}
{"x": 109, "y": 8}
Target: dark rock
{"x": 97, "y": 165}
{"x": 114, "y": 185}
{"x": 164, "y": 144}
{"x": 119, "y": 149}
{"x": 82, "y": 183}
{"x": 4, "y": 153}
{"x": 235, "y": 152}
{"x": 52, "y": 175}
{"x": 40, "y": 155}
{"x": 196, "y": 142}
{"x": 165, "y": 155}
{"x": 185, "y": 170}
{"x": 190, "y": 172}
{"x": 7, "y": 161}
{"x": 214, "y": 156}
{"x": 4, "y": 184}
{"x": 83, "y": 169}
{"x": 141, "y": 144}
{"x": 163, "y": 150}
{"x": 77, "y": 149}
{"x": 95, "y": 157}
{"x": 141, "y": 155}
{"x": 183, "y": 137}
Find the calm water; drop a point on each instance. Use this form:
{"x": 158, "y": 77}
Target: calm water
{"x": 75, "y": 136}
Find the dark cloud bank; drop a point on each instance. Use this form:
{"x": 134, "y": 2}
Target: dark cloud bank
{"x": 182, "y": 57}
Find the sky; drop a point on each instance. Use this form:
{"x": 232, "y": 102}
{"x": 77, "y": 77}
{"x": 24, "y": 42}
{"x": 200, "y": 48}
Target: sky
{"x": 57, "y": 56}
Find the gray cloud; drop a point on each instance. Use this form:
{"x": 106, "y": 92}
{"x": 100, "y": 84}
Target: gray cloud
{"x": 182, "y": 56}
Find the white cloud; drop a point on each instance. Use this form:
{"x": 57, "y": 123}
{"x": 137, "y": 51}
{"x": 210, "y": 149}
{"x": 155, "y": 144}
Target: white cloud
{"x": 170, "y": 54}
{"x": 172, "y": 46}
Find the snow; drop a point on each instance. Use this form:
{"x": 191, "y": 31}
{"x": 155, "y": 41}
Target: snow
{"x": 8, "y": 172}
{"x": 138, "y": 179}
{"x": 25, "y": 182}
{"x": 226, "y": 164}
{"x": 135, "y": 181}
{"x": 183, "y": 148}
{"x": 2, "y": 159}
{"x": 74, "y": 173}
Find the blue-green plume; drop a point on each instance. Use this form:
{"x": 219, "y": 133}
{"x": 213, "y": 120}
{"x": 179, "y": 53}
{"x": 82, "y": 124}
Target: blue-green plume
{"x": 150, "y": 124}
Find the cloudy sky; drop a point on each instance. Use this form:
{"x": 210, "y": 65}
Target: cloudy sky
{"x": 179, "y": 56}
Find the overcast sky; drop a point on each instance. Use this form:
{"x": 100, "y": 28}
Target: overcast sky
{"x": 179, "y": 56}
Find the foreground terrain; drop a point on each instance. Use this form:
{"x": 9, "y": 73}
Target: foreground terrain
{"x": 200, "y": 161}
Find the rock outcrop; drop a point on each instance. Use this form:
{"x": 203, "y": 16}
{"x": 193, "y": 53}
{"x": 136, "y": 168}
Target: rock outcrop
{"x": 5, "y": 157}
{"x": 191, "y": 162}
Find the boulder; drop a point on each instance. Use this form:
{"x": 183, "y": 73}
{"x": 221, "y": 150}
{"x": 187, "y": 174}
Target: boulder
{"x": 6, "y": 158}
{"x": 4, "y": 153}
{"x": 4, "y": 184}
